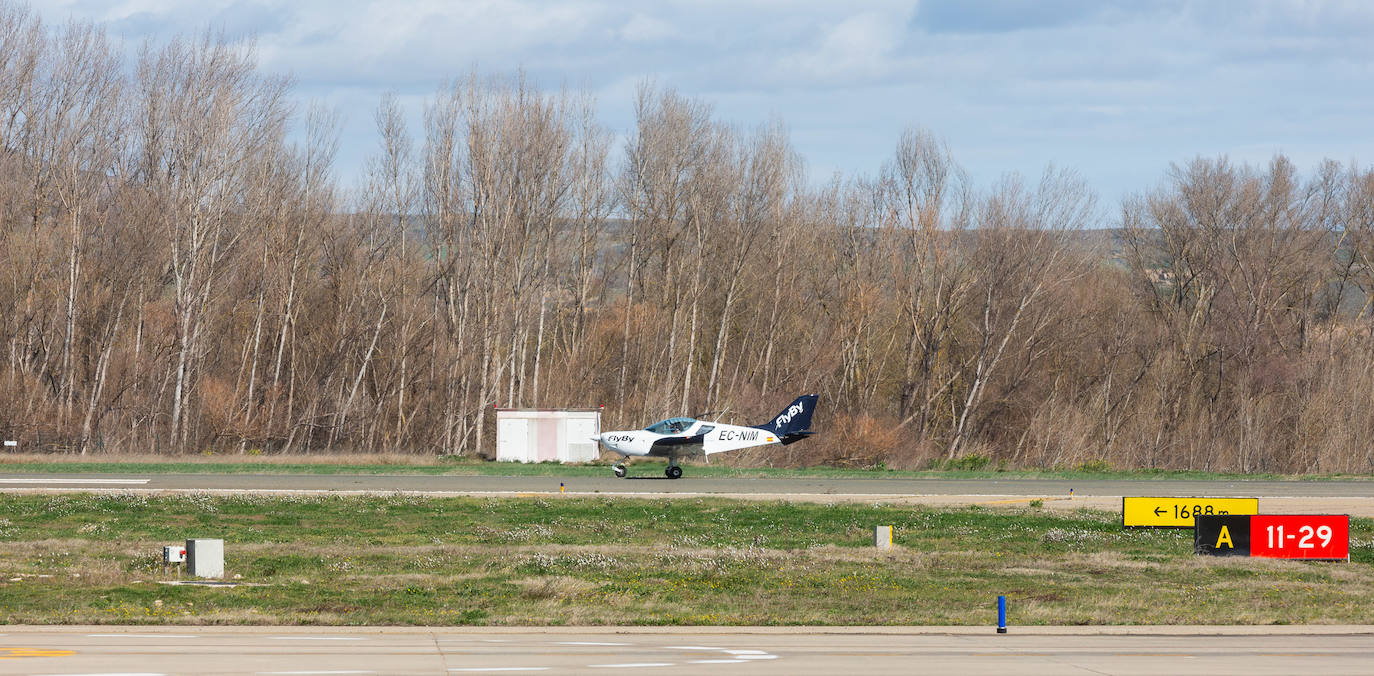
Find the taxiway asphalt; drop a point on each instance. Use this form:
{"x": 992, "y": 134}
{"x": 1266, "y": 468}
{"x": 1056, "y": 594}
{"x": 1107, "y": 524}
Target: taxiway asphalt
{"x": 969, "y": 651}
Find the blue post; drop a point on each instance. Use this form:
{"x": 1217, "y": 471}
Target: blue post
{"x": 1001, "y": 614}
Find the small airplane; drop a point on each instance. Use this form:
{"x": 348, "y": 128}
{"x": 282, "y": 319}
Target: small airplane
{"x": 676, "y": 438}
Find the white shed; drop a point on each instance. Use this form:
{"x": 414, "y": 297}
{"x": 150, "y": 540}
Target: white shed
{"x": 546, "y": 434}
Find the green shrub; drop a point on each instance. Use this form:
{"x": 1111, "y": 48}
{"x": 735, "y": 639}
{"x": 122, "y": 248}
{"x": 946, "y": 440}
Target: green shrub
{"x": 1099, "y": 465}
{"x": 972, "y": 462}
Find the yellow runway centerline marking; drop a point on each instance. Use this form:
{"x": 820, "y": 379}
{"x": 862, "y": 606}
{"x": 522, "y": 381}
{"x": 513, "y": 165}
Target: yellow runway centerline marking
{"x": 13, "y": 653}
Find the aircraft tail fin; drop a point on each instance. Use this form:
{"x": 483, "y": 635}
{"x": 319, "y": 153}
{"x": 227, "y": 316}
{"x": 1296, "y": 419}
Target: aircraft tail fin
{"x": 794, "y": 422}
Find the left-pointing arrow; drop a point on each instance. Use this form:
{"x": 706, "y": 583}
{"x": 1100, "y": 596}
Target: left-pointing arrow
{"x": 1159, "y": 511}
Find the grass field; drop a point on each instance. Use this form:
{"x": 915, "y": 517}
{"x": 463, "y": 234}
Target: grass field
{"x": 456, "y": 466}
{"x": 401, "y": 560}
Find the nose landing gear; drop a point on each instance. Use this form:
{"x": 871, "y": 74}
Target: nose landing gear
{"x": 619, "y": 470}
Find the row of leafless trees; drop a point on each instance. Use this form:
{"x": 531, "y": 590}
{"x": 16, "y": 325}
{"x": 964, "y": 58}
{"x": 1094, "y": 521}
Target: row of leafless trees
{"x": 179, "y": 272}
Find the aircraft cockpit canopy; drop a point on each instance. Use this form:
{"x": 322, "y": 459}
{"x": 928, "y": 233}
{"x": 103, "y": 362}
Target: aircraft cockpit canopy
{"x": 671, "y": 426}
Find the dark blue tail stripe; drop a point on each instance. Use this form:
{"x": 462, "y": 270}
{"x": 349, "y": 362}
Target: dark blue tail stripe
{"x": 795, "y": 419}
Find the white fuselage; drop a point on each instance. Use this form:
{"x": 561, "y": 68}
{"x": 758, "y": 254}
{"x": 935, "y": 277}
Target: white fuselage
{"x": 697, "y": 437}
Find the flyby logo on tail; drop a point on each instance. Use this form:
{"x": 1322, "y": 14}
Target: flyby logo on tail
{"x": 795, "y": 420}
{"x": 786, "y": 417}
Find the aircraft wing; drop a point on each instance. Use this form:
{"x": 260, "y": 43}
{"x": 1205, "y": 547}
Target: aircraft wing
{"x": 678, "y": 440}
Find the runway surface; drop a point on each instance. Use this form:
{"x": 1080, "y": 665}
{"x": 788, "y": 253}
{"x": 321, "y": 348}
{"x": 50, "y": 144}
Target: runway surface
{"x": 690, "y": 486}
{"x": 1355, "y": 498}
{"x": 720, "y": 652}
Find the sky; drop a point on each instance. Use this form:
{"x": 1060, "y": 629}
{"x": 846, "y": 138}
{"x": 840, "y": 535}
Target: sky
{"x": 1115, "y": 90}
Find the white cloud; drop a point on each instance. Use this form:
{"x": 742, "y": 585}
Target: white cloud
{"x": 426, "y": 40}
{"x": 860, "y": 46}
{"x": 642, "y": 28}
{"x": 1115, "y": 88}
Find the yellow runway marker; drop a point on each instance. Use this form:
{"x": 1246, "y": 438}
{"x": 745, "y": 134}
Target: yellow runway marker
{"x": 13, "y": 653}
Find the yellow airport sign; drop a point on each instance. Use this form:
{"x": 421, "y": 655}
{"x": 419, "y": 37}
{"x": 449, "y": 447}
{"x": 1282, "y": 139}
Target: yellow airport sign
{"x": 1179, "y": 512}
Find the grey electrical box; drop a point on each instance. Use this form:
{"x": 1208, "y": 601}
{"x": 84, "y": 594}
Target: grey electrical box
{"x": 174, "y": 554}
{"x": 205, "y": 558}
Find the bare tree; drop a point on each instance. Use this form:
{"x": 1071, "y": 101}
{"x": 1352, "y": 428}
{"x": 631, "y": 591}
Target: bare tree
{"x": 1025, "y": 252}
{"x": 926, "y": 204}
{"x": 205, "y": 114}
{"x": 670, "y": 141}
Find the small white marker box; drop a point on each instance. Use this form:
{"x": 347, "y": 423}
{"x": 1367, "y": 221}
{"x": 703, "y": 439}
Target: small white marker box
{"x": 11, "y": 444}
{"x": 174, "y": 554}
{"x": 882, "y": 537}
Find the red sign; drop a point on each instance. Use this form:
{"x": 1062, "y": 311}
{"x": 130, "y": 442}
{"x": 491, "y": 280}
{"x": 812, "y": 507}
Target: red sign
{"x": 1300, "y": 536}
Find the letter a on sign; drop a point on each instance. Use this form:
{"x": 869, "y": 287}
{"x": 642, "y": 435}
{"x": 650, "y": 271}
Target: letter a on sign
{"x": 1224, "y": 536}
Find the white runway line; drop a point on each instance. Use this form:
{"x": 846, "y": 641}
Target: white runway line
{"x": 590, "y": 643}
{"x": 307, "y": 673}
{"x": 751, "y": 655}
{"x": 108, "y": 674}
{"x": 75, "y": 481}
{"x": 479, "y": 670}
{"x": 692, "y": 647}
{"x": 718, "y": 661}
{"x": 631, "y": 665}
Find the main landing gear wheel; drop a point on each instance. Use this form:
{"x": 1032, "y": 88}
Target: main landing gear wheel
{"x": 619, "y": 470}
{"x": 673, "y": 472}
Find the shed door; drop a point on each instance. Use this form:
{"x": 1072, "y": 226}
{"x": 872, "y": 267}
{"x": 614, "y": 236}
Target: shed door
{"x": 547, "y": 438}
{"x": 580, "y": 447}
{"x": 512, "y": 440}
